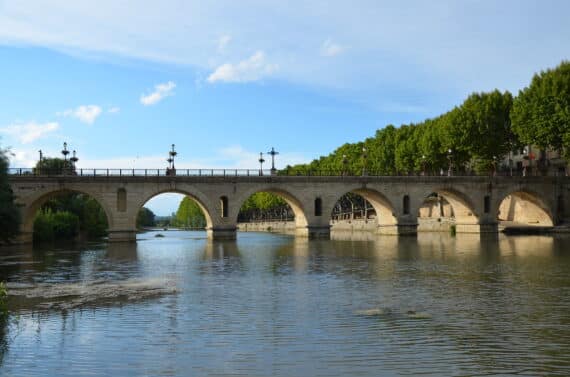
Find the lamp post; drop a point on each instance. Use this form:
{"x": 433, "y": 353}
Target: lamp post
{"x": 494, "y": 165}
{"x": 273, "y": 153}
{"x": 261, "y": 161}
{"x": 364, "y": 157}
{"x": 423, "y": 164}
{"x": 171, "y": 170}
{"x": 526, "y": 161}
{"x": 449, "y": 157}
{"x": 73, "y": 160}
{"x": 344, "y": 165}
{"x": 65, "y": 152}
{"x": 172, "y": 154}
{"x": 40, "y": 165}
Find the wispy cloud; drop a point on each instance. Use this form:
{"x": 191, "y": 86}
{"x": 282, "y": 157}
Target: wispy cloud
{"x": 223, "y": 42}
{"x": 330, "y": 49}
{"x": 253, "y": 68}
{"x": 114, "y": 110}
{"x": 29, "y": 132}
{"x": 160, "y": 92}
{"x": 85, "y": 113}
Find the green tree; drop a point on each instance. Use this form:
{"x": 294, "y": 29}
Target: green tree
{"x": 53, "y": 166}
{"x": 145, "y": 218}
{"x": 51, "y": 226}
{"x": 541, "y": 112}
{"x": 481, "y": 128}
{"x": 189, "y": 215}
{"x": 90, "y": 216}
{"x": 9, "y": 212}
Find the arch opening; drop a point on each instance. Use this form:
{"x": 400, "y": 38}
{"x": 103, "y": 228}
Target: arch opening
{"x": 173, "y": 210}
{"x": 271, "y": 209}
{"x": 362, "y": 209}
{"x": 443, "y": 209}
{"x": 66, "y": 215}
{"x": 522, "y": 208}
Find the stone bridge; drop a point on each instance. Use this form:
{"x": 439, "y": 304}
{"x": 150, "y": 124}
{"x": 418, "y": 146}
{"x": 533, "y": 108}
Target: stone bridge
{"x": 475, "y": 200}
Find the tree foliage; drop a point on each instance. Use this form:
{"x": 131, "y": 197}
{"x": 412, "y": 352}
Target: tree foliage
{"x": 189, "y": 215}
{"x": 541, "y": 111}
{"x": 9, "y": 212}
{"x": 476, "y": 132}
{"x": 145, "y": 218}
{"x": 53, "y": 165}
{"x": 52, "y": 225}
{"x": 88, "y": 217}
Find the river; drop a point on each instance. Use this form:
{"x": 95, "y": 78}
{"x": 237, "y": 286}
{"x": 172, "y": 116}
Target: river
{"x": 276, "y": 305}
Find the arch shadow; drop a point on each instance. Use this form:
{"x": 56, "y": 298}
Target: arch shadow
{"x": 514, "y": 207}
{"x": 385, "y": 210}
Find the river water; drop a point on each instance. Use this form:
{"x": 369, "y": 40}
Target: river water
{"x": 276, "y": 305}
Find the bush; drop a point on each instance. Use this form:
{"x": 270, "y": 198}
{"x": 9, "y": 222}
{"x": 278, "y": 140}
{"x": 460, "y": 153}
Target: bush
{"x": 49, "y": 225}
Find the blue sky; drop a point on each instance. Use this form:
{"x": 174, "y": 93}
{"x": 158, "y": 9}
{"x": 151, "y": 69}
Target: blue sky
{"x": 224, "y": 80}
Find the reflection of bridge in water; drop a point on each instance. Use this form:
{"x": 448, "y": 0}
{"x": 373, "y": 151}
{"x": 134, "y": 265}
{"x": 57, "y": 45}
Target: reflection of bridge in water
{"x": 477, "y": 202}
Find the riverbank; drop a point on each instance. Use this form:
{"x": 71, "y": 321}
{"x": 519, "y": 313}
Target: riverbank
{"x": 443, "y": 224}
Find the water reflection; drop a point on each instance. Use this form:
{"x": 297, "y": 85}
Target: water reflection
{"x": 272, "y": 304}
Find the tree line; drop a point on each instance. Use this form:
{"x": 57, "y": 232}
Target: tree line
{"x": 473, "y": 136}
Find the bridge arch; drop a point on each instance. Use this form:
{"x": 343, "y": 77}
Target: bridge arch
{"x": 524, "y": 206}
{"x": 33, "y": 204}
{"x": 384, "y": 208}
{"x": 200, "y": 199}
{"x": 292, "y": 200}
{"x": 463, "y": 209}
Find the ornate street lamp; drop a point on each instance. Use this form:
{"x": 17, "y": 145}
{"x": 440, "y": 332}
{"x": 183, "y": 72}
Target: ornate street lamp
{"x": 261, "y": 161}
{"x": 65, "y": 152}
{"x": 171, "y": 170}
{"x": 172, "y": 154}
{"x": 526, "y": 161}
{"x": 273, "y": 153}
{"x": 449, "y": 157}
{"x": 40, "y": 165}
{"x": 344, "y": 165}
{"x": 73, "y": 160}
{"x": 364, "y": 157}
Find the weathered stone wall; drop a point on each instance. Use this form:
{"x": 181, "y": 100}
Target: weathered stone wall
{"x": 522, "y": 210}
{"x": 397, "y": 201}
{"x": 267, "y": 226}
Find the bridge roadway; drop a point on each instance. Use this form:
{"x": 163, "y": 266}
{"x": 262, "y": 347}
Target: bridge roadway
{"x": 396, "y": 199}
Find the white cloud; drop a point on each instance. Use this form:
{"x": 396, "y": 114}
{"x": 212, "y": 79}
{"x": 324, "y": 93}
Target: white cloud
{"x": 251, "y": 69}
{"x": 31, "y": 131}
{"x": 432, "y": 45}
{"x": 84, "y": 113}
{"x": 330, "y": 49}
{"x": 223, "y": 42}
{"x": 160, "y": 91}
{"x": 114, "y": 110}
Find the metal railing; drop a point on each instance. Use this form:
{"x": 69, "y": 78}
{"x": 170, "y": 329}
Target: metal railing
{"x": 241, "y": 173}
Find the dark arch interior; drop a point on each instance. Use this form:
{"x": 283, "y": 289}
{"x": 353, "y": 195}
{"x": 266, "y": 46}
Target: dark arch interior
{"x": 352, "y": 206}
{"x": 67, "y": 215}
{"x": 266, "y": 206}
